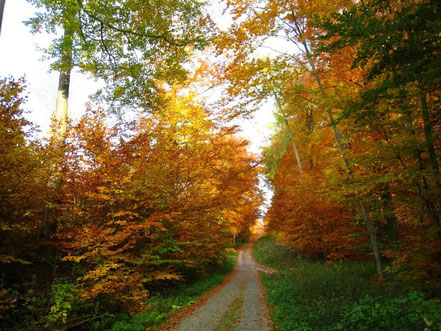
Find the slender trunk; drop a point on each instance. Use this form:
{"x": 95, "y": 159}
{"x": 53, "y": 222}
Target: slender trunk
{"x": 428, "y": 135}
{"x": 2, "y": 8}
{"x": 373, "y": 241}
{"x": 299, "y": 163}
{"x": 377, "y": 220}
{"x": 428, "y": 138}
{"x": 329, "y": 112}
{"x": 430, "y": 206}
{"x": 291, "y": 136}
{"x": 317, "y": 227}
{"x": 372, "y": 238}
{"x": 61, "y": 108}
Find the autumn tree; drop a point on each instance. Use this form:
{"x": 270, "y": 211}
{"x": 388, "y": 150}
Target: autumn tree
{"x": 260, "y": 22}
{"x": 151, "y": 202}
{"x": 397, "y": 45}
{"x": 308, "y": 211}
{"x": 24, "y": 172}
{"x": 140, "y": 206}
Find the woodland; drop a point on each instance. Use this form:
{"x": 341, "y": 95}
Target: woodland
{"x": 152, "y": 187}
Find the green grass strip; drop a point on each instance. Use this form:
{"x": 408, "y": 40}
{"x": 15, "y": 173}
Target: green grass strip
{"x": 233, "y": 314}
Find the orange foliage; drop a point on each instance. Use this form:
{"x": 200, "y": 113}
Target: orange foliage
{"x": 118, "y": 210}
{"x": 142, "y": 204}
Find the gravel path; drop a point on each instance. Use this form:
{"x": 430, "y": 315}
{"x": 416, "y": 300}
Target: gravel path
{"x": 238, "y": 305}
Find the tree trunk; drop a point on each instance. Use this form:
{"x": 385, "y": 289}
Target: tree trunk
{"x": 428, "y": 135}
{"x": 291, "y": 136}
{"x": 372, "y": 238}
{"x": 428, "y": 138}
{"x": 61, "y": 108}
{"x": 317, "y": 227}
{"x": 61, "y": 116}
{"x": 373, "y": 241}
{"x": 2, "y": 8}
{"x": 299, "y": 163}
{"x": 428, "y": 203}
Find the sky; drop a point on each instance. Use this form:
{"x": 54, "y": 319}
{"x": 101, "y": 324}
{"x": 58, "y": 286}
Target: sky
{"x": 21, "y": 55}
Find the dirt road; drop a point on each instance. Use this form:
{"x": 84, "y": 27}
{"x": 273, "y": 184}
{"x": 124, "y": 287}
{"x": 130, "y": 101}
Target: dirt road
{"x": 238, "y": 305}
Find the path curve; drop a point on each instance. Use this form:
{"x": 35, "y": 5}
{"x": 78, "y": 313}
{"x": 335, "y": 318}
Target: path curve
{"x": 238, "y": 305}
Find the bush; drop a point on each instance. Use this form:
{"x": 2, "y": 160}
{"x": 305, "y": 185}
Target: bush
{"x": 404, "y": 313}
{"x": 63, "y": 296}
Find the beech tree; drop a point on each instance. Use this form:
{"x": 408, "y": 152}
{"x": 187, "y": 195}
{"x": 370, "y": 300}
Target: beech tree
{"x": 139, "y": 205}
{"x": 373, "y": 59}
{"x": 289, "y": 21}
{"x": 402, "y": 60}
{"x": 397, "y": 46}
{"x": 133, "y": 46}
{"x": 24, "y": 173}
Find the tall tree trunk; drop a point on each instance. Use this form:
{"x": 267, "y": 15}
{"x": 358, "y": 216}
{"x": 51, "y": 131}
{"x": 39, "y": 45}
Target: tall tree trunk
{"x": 317, "y": 227}
{"x": 61, "y": 108}
{"x": 61, "y": 116}
{"x": 2, "y": 8}
{"x": 428, "y": 139}
{"x": 291, "y": 136}
{"x": 428, "y": 135}
{"x": 428, "y": 203}
{"x": 372, "y": 238}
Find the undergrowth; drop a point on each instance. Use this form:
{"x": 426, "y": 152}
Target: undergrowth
{"x": 344, "y": 296}
{"x": 169, "y": 301}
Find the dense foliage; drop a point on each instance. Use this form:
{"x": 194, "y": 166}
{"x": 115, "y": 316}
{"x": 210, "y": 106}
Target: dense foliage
{"x": 94, "y": 226}
{"x": 354, "y": 161}
{"x": 105, "y": 213}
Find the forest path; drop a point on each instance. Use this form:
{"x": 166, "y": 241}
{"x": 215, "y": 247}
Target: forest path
{"x": 237, "y": 305}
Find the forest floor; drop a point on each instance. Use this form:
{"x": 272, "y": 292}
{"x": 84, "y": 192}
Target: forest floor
{"x": 238, "y": 304}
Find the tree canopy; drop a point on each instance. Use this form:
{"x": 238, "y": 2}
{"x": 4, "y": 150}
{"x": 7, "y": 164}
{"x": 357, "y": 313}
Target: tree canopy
{"x": 134, "y": 46}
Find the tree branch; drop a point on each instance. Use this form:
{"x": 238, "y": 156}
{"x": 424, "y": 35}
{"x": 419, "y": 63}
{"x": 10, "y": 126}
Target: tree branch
{"x": 113, "y": 27}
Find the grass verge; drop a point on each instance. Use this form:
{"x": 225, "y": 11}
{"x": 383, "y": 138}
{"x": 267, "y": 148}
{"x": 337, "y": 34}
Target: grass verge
{"x": 232, "y": 316}
{"x": 165, "y": 303}
{"x": 313, "y": 296}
